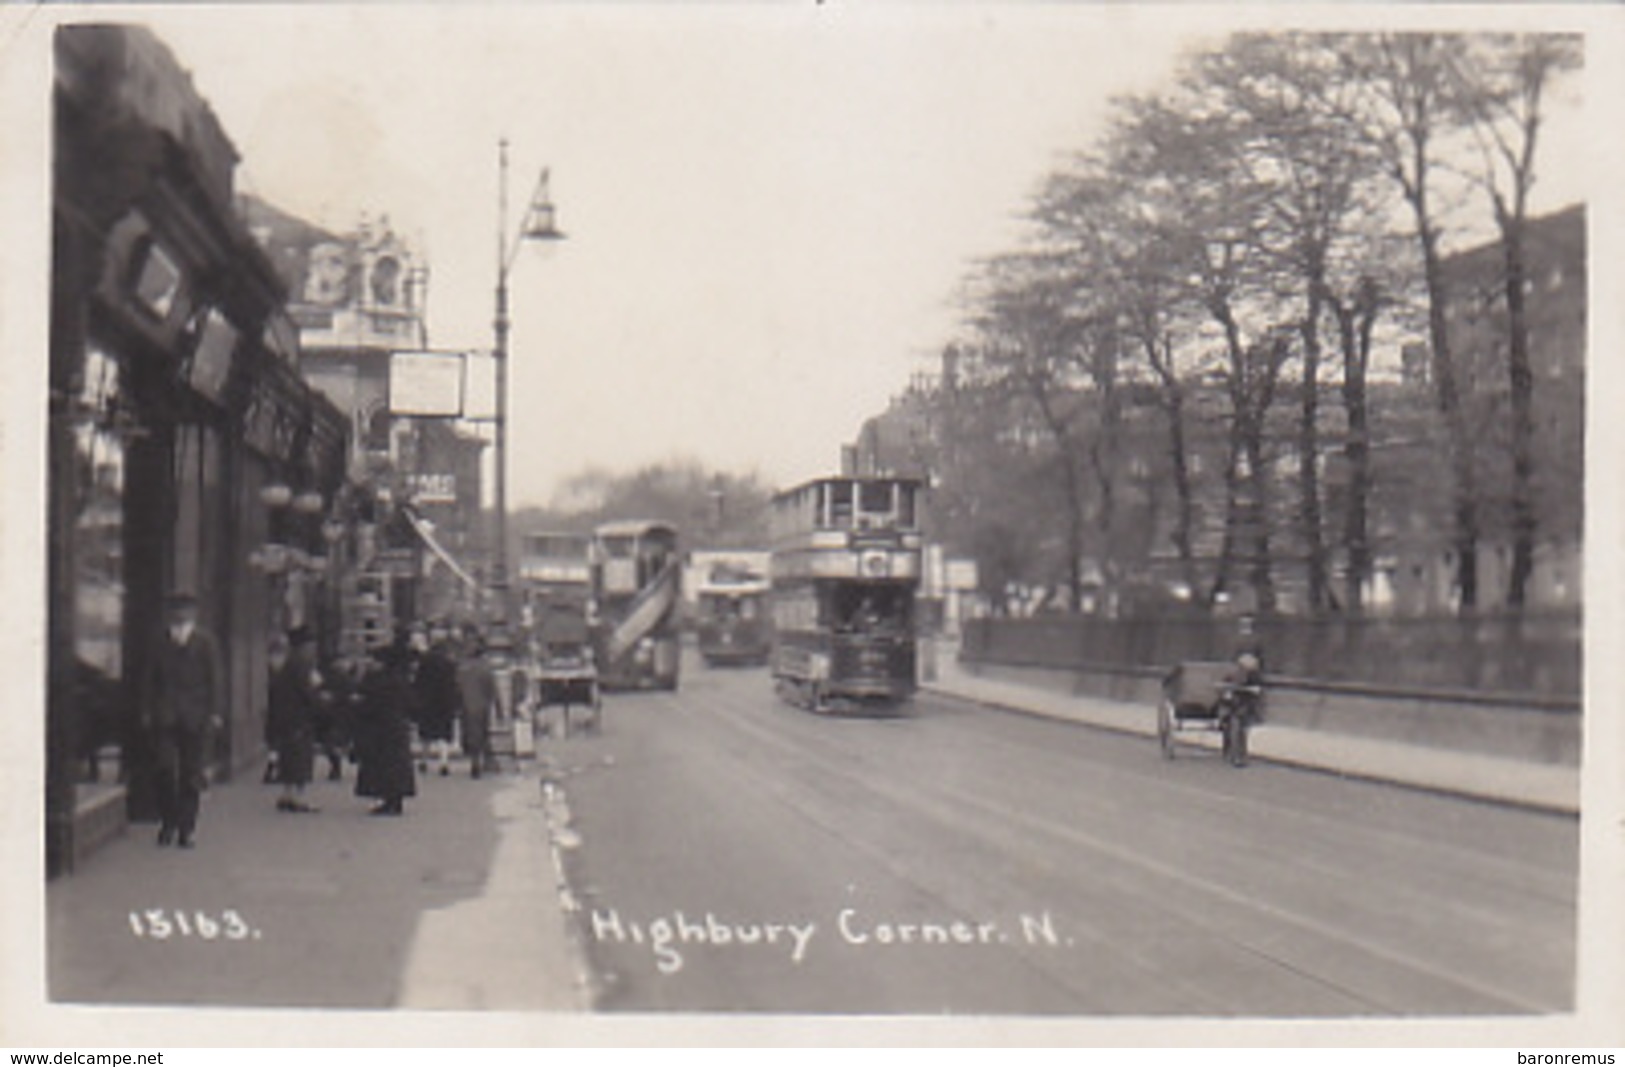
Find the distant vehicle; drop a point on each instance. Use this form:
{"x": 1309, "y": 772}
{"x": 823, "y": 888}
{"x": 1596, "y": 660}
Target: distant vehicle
{"x": 731, "y": 620}
{"x": 555, "y": 569}
{"x": 555, "y": 572}
{"x": 1223, "y": 698}
{"x": 636, "y": 570}
{"x": 846, "y": 569}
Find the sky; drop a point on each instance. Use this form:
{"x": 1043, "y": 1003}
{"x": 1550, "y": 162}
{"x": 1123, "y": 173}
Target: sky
{"x": 769, "y": 207}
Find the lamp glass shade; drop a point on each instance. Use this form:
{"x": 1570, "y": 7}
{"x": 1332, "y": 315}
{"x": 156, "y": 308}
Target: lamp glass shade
{"x": 276, "y": 495}
{"x": 542, "y": 226}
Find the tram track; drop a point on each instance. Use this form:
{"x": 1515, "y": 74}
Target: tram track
{"x": 1347, "y": 901}
{"x": 1199, "y": 893}
{"x": 1131, "y": 968}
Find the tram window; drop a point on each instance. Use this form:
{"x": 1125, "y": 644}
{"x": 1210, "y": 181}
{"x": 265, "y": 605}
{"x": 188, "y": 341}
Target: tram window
{"x": 840, "y": 509}
{"x": 618, "y": 547}
{"x": 874, "y": 498}
{"x": 905, "y": 506}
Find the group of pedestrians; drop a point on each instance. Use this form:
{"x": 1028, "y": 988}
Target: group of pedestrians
{"x": 370, "y": 711}
{"x": 419, "y": 688}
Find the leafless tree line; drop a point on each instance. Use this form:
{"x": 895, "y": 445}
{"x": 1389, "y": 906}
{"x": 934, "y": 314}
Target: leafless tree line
{"x": 1239, "y": 243}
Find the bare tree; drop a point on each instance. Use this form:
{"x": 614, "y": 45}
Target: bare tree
{"x": 1286, "y": 93}
{"x": 989, "y": 501}
{"x": 1503, "y": 81}
{"x": 1117, "y": 241}
{"x": 1187, "y": 155}
{"x": 1033, "y": 342}
{"x": 1408, "y": 101}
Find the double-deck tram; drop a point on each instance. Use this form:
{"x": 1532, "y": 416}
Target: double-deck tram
{"x": 636, "y": 581}
{"x": 846, "y": 566}
{"x": 731, "y": 622}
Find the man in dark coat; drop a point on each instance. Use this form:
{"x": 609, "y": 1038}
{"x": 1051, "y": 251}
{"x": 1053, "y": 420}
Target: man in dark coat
{"x": 290, "y": 720}
{"x": 183, "y": 711}
{"x": 383, "y": 731}
{"x": 439, "y": 700}
{"x": 479, "y": 695}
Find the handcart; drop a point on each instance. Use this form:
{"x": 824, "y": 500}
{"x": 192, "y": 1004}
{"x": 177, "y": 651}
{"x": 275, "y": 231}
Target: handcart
{"x": 566, "y": 675}
{"x": 1210, "y": 697}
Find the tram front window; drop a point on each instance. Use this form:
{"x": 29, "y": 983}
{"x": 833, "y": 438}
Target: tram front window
{"x": 722, "y": 608}
{"x": 870, "y": 610}
{"x": 874, "y": 499}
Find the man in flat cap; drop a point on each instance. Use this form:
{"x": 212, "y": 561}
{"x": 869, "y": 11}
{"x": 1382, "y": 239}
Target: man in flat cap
{"x": 183, "y": 711}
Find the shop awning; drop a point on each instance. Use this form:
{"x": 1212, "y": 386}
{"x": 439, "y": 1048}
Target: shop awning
{"x": 425, "y": 530}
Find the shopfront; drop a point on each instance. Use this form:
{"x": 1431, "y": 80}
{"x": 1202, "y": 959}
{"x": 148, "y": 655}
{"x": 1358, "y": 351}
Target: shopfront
{"x": 175, "y": 404}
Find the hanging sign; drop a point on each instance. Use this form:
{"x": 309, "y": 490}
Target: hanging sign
{"x": 426, "y": 384}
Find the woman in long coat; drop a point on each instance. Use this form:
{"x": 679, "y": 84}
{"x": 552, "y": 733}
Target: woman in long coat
{"x": 439, "y": 702}
{"x": 383, "y": 741}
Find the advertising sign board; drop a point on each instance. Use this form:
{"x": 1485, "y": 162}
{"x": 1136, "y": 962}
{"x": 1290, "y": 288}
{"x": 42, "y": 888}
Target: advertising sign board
{"x": 426, "y": 383}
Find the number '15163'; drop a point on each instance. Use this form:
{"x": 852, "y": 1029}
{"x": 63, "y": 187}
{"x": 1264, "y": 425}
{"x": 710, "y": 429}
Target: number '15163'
{"x": 161, "y": 924}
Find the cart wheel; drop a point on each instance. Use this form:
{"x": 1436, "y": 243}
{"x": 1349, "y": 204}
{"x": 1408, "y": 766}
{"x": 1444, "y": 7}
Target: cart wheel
{"x": 1165, "y": 728}
{"x": 1235, "y": 739}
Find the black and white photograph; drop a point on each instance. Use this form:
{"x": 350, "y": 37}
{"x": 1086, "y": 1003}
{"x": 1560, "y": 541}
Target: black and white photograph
{"x": 1068, "y": 524}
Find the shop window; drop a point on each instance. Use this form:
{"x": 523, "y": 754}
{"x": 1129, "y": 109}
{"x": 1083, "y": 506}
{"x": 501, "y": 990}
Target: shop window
{"x": 98, "y": 562}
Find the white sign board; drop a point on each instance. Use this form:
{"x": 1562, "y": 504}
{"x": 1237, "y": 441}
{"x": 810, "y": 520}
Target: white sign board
{"x": 426, "y": 383}
{"x": 962, "y": 575}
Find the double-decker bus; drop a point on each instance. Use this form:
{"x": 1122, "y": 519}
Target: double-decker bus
{"x": 636, "y": 581}
{"x": 731, "y": 621}
{"x": 555, "y": 572}
{"x": 846, "y": 566}
{"x": 555, "y": 569}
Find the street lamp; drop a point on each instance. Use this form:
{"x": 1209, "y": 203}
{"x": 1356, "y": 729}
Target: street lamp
{"x": 537, "y": 225}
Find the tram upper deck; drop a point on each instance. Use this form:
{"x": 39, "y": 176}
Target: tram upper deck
{"x": 847, "y": 528}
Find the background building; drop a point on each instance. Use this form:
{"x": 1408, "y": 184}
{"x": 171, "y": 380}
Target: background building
{"x": 359, "y": 304}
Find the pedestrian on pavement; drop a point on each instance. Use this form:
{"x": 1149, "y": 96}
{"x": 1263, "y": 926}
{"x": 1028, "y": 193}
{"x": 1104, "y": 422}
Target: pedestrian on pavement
{"x": 182, "y": 714}
{"x": 383, "y": 738}
{"x": 438, "y": 700}
{"x": 290, "y": 719}
{"x": 479, "y": 694}
{"x": 337, "y": 699}
{"x": 417, "y": 646}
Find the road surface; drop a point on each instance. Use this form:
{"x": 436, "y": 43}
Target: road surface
{"x": 727, "y": 852}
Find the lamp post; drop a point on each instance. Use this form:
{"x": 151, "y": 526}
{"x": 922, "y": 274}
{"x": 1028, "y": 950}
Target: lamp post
{"x": 538, "y": 224}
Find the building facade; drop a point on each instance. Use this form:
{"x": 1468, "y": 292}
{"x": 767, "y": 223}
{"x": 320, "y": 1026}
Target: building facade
{"x": 186, "y": 452}
{"x": 358, "y": 301}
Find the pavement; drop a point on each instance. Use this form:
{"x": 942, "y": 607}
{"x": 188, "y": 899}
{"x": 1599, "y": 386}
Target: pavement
{"x": 455, "y": 905}
{"x": 1542, "y": 786}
